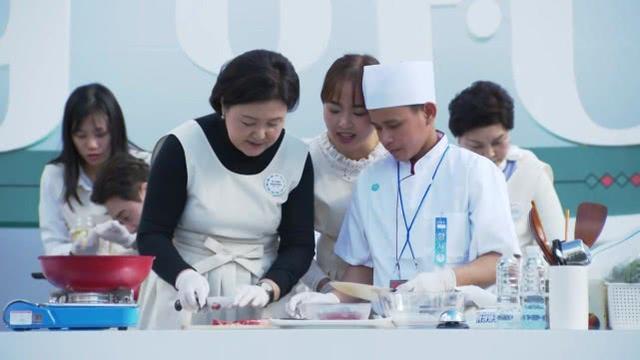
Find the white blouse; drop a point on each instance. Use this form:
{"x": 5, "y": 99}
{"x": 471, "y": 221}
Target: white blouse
{"x": 334, "y": 178}
{"x": 57, "y": 218}
{"x": 532, "y": 179}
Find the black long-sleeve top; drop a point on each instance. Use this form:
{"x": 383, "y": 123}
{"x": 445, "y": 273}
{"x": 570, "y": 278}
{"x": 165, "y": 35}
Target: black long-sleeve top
{"x": 167, "y": 194}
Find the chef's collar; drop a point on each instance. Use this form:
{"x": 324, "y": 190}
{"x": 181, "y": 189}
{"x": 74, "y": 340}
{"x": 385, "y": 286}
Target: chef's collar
{"x": 84, "y": 181}
{"x": 429, "y": 160}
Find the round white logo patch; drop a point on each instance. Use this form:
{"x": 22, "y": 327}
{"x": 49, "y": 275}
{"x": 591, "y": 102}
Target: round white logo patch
{"x": 275, "y": 184}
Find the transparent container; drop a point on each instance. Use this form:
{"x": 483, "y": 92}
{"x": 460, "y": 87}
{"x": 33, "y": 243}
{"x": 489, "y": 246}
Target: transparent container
{"x": 343, "y": 311}
{"x": 532, "y": 290}
{"x": 508, "y": 313}
{"x": 420, "y": 309}
{"x": 80, "y": 230}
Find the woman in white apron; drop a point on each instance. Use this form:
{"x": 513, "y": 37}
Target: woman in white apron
{"x": 229, "y": 205}
{"x": 93, "y": 130}
{"x": 349, "y": 145}
{"x": 481, "y": 117}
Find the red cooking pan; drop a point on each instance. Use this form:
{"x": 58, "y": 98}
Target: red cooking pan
{"x": 92, "y": 273}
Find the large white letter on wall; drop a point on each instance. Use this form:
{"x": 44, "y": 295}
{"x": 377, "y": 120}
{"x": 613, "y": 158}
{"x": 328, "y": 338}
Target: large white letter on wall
{"x": 544, "y": 75}
{"x": 404, "y": 29}
{"x": 35, "y": 46}
{"x": 203, "y": 31}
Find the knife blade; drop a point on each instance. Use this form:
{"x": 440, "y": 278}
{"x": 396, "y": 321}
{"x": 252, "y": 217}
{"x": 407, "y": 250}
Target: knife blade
{"x": 213, "y": 303}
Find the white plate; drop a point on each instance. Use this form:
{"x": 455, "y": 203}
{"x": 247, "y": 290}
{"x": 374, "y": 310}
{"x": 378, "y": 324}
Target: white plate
{"x": 293, "y": 323}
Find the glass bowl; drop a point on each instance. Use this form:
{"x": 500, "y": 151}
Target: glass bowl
{"x": 419, "y": 309}
{"x": 356, "y": 311}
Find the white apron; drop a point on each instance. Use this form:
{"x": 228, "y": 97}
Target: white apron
{"x": 228, "y": 229}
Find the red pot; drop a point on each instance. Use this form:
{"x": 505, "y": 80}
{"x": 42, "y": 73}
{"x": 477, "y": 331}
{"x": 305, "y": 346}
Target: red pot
{"x": 92, "y": 273}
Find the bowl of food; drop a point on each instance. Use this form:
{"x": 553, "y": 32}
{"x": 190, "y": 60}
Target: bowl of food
{"x": 343, "y": 311}
{"x": 419, "y": 308}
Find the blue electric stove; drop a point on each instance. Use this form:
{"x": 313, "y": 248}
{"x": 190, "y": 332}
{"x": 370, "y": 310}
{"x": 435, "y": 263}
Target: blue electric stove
{"x": 75, "y": 311}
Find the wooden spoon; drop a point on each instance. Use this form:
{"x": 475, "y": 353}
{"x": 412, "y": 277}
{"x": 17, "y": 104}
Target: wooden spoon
{"x": 538, "y": 232}
{"x": 590, "y": 221}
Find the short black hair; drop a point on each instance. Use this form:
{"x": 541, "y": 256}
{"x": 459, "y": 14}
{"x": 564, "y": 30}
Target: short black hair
{"x": 257, "y": 75}
{"x": 484, "y": 103}
{"x": 121, "y": 176}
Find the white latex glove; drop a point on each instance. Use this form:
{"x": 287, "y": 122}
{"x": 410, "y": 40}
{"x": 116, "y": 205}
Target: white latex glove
{"x": 85, "y": 245}
{"x": 435, "y": 281}
{"x": 309, "y": 297}
{"x": 193, "y": 289}
{"x": 115, "y": 232}
{"x": 252, "y": 295}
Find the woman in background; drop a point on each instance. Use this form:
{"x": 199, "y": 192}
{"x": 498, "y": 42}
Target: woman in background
{"x": 339, "y": 154}
{"x": 481, "y": 117}
{"x": 93, "y": 130}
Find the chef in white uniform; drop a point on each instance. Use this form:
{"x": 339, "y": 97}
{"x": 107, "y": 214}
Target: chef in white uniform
{"x": 481, "y": 117}
{"x": 430, "y": 216}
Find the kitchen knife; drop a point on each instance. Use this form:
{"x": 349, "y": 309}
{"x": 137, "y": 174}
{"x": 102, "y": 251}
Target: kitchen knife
{"x": 213, "y": 303}
{"x": 360, "y": 291}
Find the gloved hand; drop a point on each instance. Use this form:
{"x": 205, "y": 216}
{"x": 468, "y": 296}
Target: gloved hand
{"x": 252, "y": 295}
{"x": 193, "y": 289}
{"x": 435, "y": 281}
{"x": 85, "y": 245}
{"x": 309, "y": 297}
{"x": 115, "y": 232}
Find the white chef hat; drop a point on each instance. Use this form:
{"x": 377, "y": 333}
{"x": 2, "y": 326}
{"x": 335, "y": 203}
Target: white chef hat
{"x": 401, "y": 84}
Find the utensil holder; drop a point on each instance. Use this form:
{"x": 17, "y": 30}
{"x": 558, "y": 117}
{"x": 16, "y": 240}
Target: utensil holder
{"x": 568, "y": 297}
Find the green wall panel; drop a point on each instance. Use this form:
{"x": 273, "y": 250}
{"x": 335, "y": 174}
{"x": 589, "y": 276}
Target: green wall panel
{"x": 580, "y": 175}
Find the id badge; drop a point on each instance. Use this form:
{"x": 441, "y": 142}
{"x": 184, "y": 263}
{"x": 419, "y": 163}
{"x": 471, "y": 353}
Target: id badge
{"x": 440, "y": 247}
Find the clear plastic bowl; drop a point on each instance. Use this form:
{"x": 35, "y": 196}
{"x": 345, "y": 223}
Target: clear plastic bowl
{"x": 419, "y": 309}
{"x": 357, "y": 311}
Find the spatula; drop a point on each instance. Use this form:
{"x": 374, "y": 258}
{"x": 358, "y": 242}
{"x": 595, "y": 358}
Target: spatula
{"x": 360, "y": 291}
{"x": 539, "y": 235}
{"x": 590, "y": 221}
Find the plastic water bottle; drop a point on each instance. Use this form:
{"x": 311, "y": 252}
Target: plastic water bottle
{"x": 532, "y": 290}
{"x": 508, "y": 312}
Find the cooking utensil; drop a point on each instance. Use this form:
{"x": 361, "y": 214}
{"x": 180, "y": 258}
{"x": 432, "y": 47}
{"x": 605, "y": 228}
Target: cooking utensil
{"x": 539, "y": 235}
{"x": 212, "y": 303}
{"x": 575, "y": 252}
{"x": 590, "y": 221}
{"x": 360, "y": 291}
{"x": 92, "y": 273}
{"x": 556, "y": 249}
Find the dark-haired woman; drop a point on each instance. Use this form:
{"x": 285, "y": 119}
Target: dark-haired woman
{"x": 93, "y": 130}
{"x": 349, "y": 145}
{"x": 481, "y": 117}
{"x": 229, "y": 206}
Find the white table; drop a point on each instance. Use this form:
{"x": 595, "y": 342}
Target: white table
{"x": 303, "y": 344}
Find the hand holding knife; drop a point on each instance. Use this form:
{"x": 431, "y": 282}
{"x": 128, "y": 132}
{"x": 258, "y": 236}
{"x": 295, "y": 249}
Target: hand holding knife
{"x": 212, "y": 303}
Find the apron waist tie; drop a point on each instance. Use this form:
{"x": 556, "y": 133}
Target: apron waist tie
{"x": 249, "y": 256}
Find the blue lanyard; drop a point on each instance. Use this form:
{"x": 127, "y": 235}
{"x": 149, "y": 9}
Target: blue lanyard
{"x": 409, "y": 226}
{"x": 509, "y": 169}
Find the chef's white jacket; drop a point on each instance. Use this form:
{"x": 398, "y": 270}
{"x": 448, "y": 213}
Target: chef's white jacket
{"x": 468, "y": 190}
